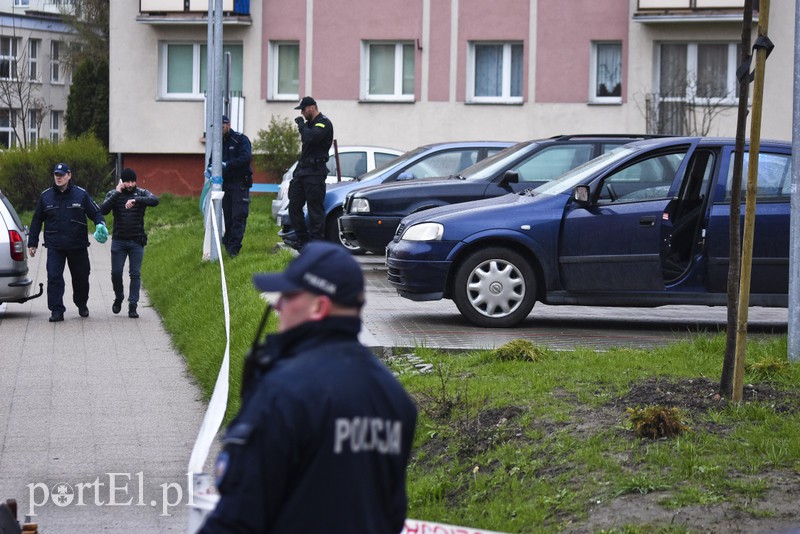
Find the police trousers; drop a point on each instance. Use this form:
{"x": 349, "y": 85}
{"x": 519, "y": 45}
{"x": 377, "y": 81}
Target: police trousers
{"x": 309, "y": 191}
{"x": 235, "y": 209}
{"x": 78, "y": 261}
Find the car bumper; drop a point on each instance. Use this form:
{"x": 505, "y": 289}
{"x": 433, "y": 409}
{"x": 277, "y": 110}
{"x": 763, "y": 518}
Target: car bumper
{"x": 369, "y": 232}
{"x": 415, "y": 270}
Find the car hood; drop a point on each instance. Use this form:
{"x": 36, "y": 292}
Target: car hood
{"x": 398, "y": 188}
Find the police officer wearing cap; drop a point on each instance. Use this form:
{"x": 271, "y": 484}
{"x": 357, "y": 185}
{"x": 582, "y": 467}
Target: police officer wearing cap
{"x": 237, "y": 178}
{"x": 128, "y": 202}
{"x": 323, "y": 437}
{"x": 308, "y": 184}
{"x": 63, "y": 209}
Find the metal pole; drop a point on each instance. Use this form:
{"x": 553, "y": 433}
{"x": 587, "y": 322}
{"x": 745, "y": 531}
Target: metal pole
{"x": 216, "y": 123}
{"x": 750, "y": 206}
{"x": 209, "y": 81}
{"x": 794, "y": 235}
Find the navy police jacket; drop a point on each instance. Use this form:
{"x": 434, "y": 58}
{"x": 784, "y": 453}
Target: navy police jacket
{"x": 317, "y": 138}
{"x": 321, "y": 442}
{"x": 237, "y": 152}
{"x": 64, "y": 217}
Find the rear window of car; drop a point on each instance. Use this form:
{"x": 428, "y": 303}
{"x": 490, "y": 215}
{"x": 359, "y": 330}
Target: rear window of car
{"x": 11, "y": 210}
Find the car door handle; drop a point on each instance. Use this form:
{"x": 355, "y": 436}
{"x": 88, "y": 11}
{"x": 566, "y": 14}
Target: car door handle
{"x": 648, "y": 221}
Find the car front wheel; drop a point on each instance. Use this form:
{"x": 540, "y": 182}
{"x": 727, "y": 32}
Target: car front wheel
{"x": 332, "y": 233}
{"x": 495, "y": 288}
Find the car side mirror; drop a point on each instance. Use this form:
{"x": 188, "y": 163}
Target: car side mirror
{"x": 405, "y": 176}
{"x": 581, "y": 194}
{"x": 510, "y": 177}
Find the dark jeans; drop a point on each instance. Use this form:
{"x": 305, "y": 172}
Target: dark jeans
{"x": 134, "y": 252}
{"x": 78, "y": 261}
{"x": 235, "y": 209}
{"x": 308, "y": 190}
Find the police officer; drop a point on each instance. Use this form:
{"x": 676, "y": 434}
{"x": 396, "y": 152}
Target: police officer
{"x": 308, "y": 183}
{"x": 325, "y": 430}
{"x": 128, "y": 202}
{"x": 63, "y": 209}
{"x": 237, "y": 178}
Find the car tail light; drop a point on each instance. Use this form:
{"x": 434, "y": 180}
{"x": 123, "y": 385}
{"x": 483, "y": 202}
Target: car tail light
{"x": 17, "y": 246}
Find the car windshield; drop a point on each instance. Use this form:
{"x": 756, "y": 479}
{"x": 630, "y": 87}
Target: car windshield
{"x": 486, "y": 169}
{"x": 567, "y": 181}
{"x": 399, "y": 160}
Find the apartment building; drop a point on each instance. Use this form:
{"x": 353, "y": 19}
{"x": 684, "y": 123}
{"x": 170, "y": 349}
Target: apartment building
{"x": 409, "y": 73}
{"x": 34, "y": 79}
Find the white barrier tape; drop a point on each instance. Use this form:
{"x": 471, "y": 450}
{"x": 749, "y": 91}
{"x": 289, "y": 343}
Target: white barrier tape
{"x": 415, "y": 526}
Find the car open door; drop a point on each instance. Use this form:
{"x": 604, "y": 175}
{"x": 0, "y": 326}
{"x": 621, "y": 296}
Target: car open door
{"x": 614, "y": 241}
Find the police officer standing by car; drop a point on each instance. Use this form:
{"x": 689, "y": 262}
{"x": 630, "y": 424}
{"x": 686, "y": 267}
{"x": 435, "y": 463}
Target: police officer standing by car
{"x": 63, "y": 210}
{"x": 237, "y": 178}
{"x": 323, "y": 437}
{"x": 128, "y": 202}
{"x": 308, "y": 184}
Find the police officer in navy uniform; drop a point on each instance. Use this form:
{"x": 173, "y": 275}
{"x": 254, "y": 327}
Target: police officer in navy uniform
{"x": 308, "y": 183}
{"x": 237, "y": 178}
{"x": 128, "y": 202}
{"x": 63, "y": 210}
{"x": 323, "y": 437}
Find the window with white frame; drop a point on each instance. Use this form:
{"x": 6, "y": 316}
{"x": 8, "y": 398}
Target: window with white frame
{"x": 284, "y": 69}
{"x": 494, "y": 74}
{"x": 8, "y": 58}
{"x": 56, "y": 76}
{"x": 7, "y": 125}
{"x": 32, "y": 126}
{"x": 605, "y": 77}
{"x": 33, "y": 59}
{"x": 388, "y": 71}
{"x": 55, "y": 126}
{"x": 22, "y": 3}
{"x": 698, "y": 72}
{"x": 184, "y": 68}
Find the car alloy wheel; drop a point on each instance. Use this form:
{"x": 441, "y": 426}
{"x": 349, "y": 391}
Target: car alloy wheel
{"x": 495, "y": 287}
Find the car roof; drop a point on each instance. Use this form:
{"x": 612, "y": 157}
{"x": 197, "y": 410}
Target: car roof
{"x": 459, "y": 144}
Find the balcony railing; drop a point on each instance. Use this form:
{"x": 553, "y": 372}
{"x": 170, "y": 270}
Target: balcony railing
{"x": 232, "y": 7}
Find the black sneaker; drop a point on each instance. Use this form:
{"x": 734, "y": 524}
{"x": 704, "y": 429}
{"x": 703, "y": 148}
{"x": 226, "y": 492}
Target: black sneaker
{"x": 83, "y": 312}
{"x": 117, "y": 306}
{"x": 132, "y": 312}
{"x": 56, "y": 317}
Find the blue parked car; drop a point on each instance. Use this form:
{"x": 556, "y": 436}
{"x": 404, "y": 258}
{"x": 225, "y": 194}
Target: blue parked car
{"x": 440, "y": 159}
{"x": 643, "y": 225}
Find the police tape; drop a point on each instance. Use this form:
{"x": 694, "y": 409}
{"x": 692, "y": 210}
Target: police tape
{"x": 202, "y": 498}
{"x": 415, "y": 526}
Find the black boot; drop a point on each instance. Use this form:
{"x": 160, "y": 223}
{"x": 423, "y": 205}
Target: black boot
{"x": 117, "y": 306}
{"x": 132, "y": 311}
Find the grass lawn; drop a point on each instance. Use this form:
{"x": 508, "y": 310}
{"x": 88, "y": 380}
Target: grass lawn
{"x": 526, "y": 439}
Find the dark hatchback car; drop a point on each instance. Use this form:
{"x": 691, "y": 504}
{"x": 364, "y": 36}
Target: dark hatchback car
{"x": 372, "y": 214}
{"x": 644, "y": 225}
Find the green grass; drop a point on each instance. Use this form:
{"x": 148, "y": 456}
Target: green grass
{"x": 526, "y": 440}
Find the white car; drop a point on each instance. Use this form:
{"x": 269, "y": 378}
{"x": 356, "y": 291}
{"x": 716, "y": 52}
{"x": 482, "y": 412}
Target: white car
{"x": 15, "y": 286}
{"x": 354, "y": 160}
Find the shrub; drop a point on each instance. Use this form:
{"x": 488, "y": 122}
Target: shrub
{"x": 277, "y": 147}
{"x": 26, "y": 172}
{"x": 657, "y": 422}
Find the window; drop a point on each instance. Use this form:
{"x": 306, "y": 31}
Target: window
{"x": 8, "y": 58}
{"x": 33, "y": 126}
{"x": 606, "y": 73}
{"x": 7, "y": 125}
{"x": 647, "y": 179}
{"x": 702, "y": 72}
{"x": 442, "y": 164}
{"x": 774, "y": 177}
{"x": 22, "y": 3}
{"x": 184, "y": 69}
{"x": 284, "y": 71}
{"x": 55, "y": 62}
{"x": 495, "y": 73}
{"x": 552, "y": 162}
{"x": 33, "y": 59}
{"x": 388, "y": 72}
{"x": 55, "y": 126}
